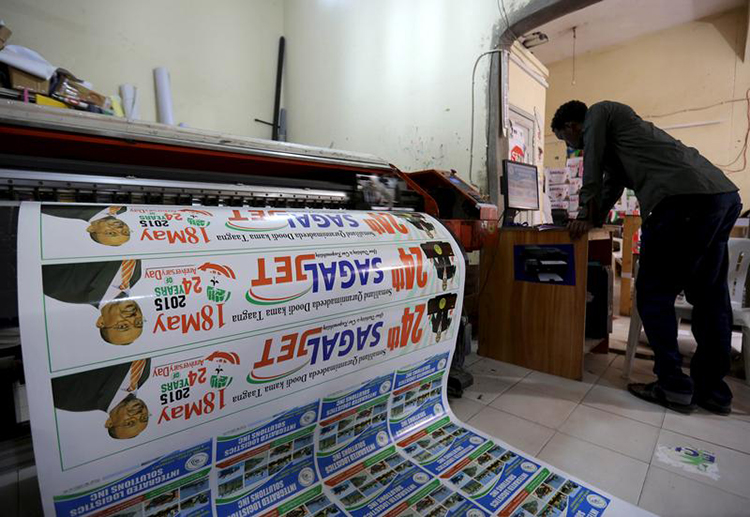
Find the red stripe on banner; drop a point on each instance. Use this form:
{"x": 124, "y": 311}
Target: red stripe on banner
{"x": 356, "y": 469}
{"x": 336, "y": 418}
{"x": 406, "y": 388}
{"x": 513, "y": 504}
{"x": 244, "y": 456}
{"x": 413, "y": 438}
{"x": 458, "y": 466}
{"x": 397, "y": 510}
{"x": 119, "y": 506}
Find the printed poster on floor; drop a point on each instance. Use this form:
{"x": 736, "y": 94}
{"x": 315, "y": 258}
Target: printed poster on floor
{"x": 231, "y": 361}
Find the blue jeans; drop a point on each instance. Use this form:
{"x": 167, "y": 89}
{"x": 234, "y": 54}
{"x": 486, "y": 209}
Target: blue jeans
{"x": 684, "y": 248}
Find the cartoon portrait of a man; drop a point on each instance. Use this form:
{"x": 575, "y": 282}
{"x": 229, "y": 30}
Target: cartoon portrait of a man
{"x": 103, "y": 228}
{"x": 112, "y": 390}
{"x": 439, "y": 311}
{"x": 105, "y": 286}
{"x": 418, "y": 221}
{"x": 440, "y": 254}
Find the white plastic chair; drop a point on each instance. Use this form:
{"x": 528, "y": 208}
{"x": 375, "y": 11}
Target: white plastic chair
{"x": 739, "y": 263}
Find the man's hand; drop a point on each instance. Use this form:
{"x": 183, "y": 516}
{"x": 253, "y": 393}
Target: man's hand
{"x": 579, "y": 227}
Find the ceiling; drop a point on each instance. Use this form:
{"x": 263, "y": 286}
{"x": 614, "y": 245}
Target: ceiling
{"x": 610, "y": 22}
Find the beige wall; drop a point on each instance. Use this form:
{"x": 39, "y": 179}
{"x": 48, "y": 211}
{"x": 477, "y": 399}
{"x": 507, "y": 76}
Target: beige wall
{"x": 386, "y": 77}
{"x": 527, "y": 79}
{"x": 221, "y": 54}
{"x": 391, "y": 78}
{"x": 690, "y": 66}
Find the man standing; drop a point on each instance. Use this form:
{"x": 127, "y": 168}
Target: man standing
{"x": 689, "y": 208}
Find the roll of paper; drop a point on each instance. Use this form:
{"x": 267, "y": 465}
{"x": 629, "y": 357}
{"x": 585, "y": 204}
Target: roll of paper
{"x": 282, "y": 125}
{"x": 235, "y": 361}
{"x": 163, "y": 96}
{"x": 129, "y": 94}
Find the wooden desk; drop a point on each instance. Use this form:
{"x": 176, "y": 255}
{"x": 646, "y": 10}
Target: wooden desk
{"x": 537, "y": 325}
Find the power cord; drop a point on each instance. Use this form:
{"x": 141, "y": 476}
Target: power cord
{"x": 471, "y": 132}
{"x": 743, "y": 151}
{"x": 700, "y": 108}
{"x": 504, "y": 13}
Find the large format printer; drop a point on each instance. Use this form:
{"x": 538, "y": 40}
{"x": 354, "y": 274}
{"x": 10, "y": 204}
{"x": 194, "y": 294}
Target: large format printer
{"x": 49, "y": 154}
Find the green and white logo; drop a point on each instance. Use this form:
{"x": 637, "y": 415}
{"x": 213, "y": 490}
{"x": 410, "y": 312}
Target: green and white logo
{"x": 692, "y": 460}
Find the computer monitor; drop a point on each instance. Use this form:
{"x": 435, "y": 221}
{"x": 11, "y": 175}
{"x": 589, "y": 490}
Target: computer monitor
{"x": 520, "y": 186}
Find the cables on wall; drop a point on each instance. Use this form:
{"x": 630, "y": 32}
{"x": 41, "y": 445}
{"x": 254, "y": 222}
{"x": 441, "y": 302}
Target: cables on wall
{"x": 746, "y": 141}
{"x": 504, "y": 13}
{"x": 690, "y": 110}
{"x": 743, "y": 152}
{"x": 501, "y": 8}
{"x": 471, "y": 132}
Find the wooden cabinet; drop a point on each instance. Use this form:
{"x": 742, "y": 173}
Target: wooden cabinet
{"x": 537, "y": 325}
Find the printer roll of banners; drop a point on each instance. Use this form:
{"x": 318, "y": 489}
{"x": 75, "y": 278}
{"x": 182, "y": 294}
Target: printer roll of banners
{"x": 233, "y": 361}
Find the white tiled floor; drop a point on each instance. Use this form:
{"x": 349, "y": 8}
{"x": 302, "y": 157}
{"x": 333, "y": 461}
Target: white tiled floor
{"x": 729, "y": 432}
{"x": 621, "y": 434}
{"x": 665, "y": 493}
{"x": 616, "y": 473}
{"x": 599, "y": 432}
{"x": 527, "y": 436}
{"x": 548, "y": 409}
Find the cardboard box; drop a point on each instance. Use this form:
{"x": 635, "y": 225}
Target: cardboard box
{"x": 20, "y": 80}
{"x": 5, "y": 33}
{"x": 575, "y": 172}
{"x": 73, "y": 92}
{"x": 575, "y": 185}
{"x": 558, "y": 192}
{"x": 556, "y": 176}
{"x": 575, "y": 166}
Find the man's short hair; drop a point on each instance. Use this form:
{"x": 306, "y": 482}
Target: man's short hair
{"x": 571, "y": 111}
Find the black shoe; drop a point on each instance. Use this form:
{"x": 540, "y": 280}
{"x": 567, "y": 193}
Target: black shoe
{"x": 652, "y": 392}
{"x": 711, "y": 404}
